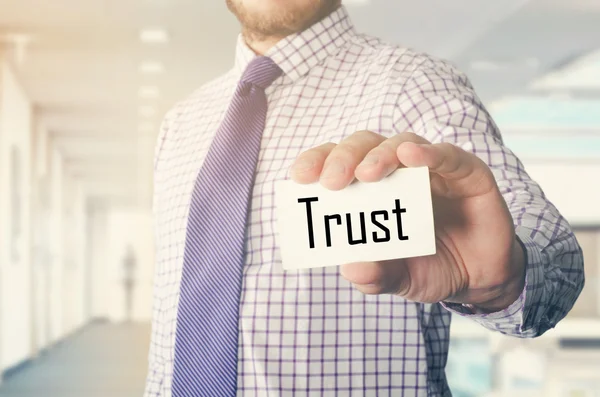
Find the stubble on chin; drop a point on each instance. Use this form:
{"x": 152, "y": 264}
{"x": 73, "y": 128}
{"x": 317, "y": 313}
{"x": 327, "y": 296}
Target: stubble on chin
{"x": 281, "y": 24}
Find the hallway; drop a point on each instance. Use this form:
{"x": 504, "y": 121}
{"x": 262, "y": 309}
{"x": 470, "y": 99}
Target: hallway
{"x": 102, "y": 360}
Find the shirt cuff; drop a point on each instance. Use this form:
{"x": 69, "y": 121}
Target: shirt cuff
{"x": 514, "y": 319}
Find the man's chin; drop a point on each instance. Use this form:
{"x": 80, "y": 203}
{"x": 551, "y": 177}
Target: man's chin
{"x": 276, "y": 18}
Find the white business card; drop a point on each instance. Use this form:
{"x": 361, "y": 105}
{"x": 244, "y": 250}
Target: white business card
{"x": 390, "y": 219}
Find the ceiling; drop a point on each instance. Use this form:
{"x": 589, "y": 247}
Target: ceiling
{"x": 544, "y": 35}
{"x": 82, "y": 66}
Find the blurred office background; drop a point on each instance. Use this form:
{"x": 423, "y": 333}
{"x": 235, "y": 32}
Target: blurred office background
{"x": 83, "y": 87}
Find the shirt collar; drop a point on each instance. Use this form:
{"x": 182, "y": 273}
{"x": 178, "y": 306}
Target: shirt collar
{"x": 298, "y": 53}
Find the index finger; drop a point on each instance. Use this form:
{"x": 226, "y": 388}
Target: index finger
{"x": 309, "y": 164}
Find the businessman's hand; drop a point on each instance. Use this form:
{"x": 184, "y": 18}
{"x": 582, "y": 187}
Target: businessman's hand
{"x": 479, "y": 260}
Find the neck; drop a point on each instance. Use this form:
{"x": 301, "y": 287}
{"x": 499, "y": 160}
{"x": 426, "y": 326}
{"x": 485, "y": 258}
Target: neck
{"x": 260, "y": 45}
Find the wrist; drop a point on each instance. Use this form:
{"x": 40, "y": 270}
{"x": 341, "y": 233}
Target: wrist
{"x": 512, "y": 289}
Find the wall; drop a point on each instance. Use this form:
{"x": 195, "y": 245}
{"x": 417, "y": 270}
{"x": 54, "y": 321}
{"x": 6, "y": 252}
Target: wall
{"x": 42, "y": 286}
{"x": 99, "y": 281}
{"x": 75, "y": 261}
{"x": 41, "y": 252}
{"x": 68, "y": 251}
{"x": 56, "y": 262}
{"x": 15, "y": 267}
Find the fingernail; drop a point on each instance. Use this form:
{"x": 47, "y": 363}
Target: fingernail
{"x": 333, "y": 170}
{"x": 370, "y": 160}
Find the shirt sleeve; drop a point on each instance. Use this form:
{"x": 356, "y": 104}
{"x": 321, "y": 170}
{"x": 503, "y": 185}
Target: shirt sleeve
{"x": 439, "y": 103}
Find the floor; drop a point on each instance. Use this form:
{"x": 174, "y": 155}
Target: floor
{"x": 103, "y": 360}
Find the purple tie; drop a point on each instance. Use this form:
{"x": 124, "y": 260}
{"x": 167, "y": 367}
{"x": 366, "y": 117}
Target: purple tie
{"x": 206, "y": 344}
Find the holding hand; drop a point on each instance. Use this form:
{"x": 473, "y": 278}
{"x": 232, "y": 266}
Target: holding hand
{"x": 478, "y": 261}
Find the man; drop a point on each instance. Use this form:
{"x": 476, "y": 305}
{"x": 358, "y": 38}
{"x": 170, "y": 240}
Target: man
{"x": 310, "y": 96}
{"x": 129, "y": 277}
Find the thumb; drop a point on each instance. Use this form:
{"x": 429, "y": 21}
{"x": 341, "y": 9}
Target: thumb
{"x": 375, "y": 278}
{"x": 456, "y": 173}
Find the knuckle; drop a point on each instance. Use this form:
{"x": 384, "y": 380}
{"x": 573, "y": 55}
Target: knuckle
{"x": 347, "y": 152}
{"x": 327, "y": 147}
{"x": 386, "y": 151}
{"x": 305, "y": 154}
{"x": 365, "y": 137}
{"x": 450, "y": 153}
{"x": 408, "y": 136}
{"x": 317, "y": 153}
{"x": 305, "y": 157}
{"x": 365, "y": 134}
{"x": 451, "y": 149}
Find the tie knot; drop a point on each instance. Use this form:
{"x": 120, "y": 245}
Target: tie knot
{"x": 261, "y": 72}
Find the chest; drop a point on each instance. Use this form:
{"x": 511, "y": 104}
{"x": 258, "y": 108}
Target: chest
{"x": 299, "y": 118}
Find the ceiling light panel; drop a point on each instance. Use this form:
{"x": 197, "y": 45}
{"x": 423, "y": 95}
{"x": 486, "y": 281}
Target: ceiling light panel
{"x": 149, "y": 92}
{"x": 152, "y": 67}
{"x": 154, "y": 36}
